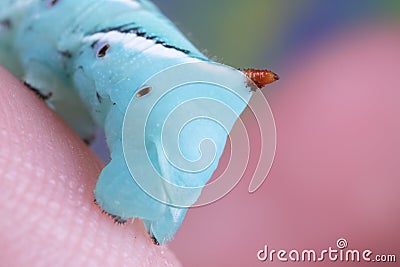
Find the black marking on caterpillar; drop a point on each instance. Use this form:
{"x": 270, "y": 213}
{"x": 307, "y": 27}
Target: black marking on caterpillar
{"x": 6, "y": 23}
{"x": 141, "y": 34}
{"x": 132, "y": 28}
{"x": 99, "y": 98}
{"x": 94, "y": 44}
{"x": 88, "y": 141}
{"x": 66, "y": 53}
{"x": 176, "y": 48}
{"x": 52, "y": 3}
{"x": 37, "y": 92}
{"x": 155, "y": 241}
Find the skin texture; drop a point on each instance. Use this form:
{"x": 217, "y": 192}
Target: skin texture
{"x": 47, "y": 177}
{"x": 336, "y": 170}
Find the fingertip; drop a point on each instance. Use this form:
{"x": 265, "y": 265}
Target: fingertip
{"x": 47, "y": 177}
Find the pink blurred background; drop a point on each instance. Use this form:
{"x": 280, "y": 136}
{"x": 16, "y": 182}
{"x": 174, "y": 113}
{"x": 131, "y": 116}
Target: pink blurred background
{"x": 335, "y": 174}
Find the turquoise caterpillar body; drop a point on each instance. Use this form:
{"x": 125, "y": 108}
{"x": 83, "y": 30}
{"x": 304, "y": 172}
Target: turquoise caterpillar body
{"x": 89, "y": 60}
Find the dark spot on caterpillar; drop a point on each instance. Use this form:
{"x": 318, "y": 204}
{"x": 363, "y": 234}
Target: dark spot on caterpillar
{"x": 155, "y": 241}
{"x": 141, "y": 34}
{"x": 53, "y": 2}
{"x": 102, "y": 52}
{"x": 37, "y": 91}
{"x": 98, "y": 97}
{"x": 65, "y": 53}
{"x": 143, "y": 92}
{"x": 94, "y": 44}
{"x": 80, "y": 67}
{"x": 114, "y": 103}
{"x": 6, "y": 23}
{"x": 88, "y": 141}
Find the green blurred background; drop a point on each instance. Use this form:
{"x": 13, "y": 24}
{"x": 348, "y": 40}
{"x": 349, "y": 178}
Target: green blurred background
{"x": 257, "y": 33}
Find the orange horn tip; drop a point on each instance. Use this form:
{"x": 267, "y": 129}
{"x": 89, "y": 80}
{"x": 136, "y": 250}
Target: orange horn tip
{"x": 261, "y": 77}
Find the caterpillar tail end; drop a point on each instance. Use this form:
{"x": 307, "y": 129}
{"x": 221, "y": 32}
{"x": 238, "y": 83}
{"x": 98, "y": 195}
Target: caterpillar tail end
{"x": 261, "y": 77}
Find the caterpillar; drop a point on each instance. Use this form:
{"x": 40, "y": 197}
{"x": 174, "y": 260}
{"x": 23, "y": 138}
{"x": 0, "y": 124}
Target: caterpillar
{"x": 122, "y": 65}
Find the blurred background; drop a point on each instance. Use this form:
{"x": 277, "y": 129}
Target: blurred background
{"x": 257, "y": 33}
{"x": 336, "y": 169}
